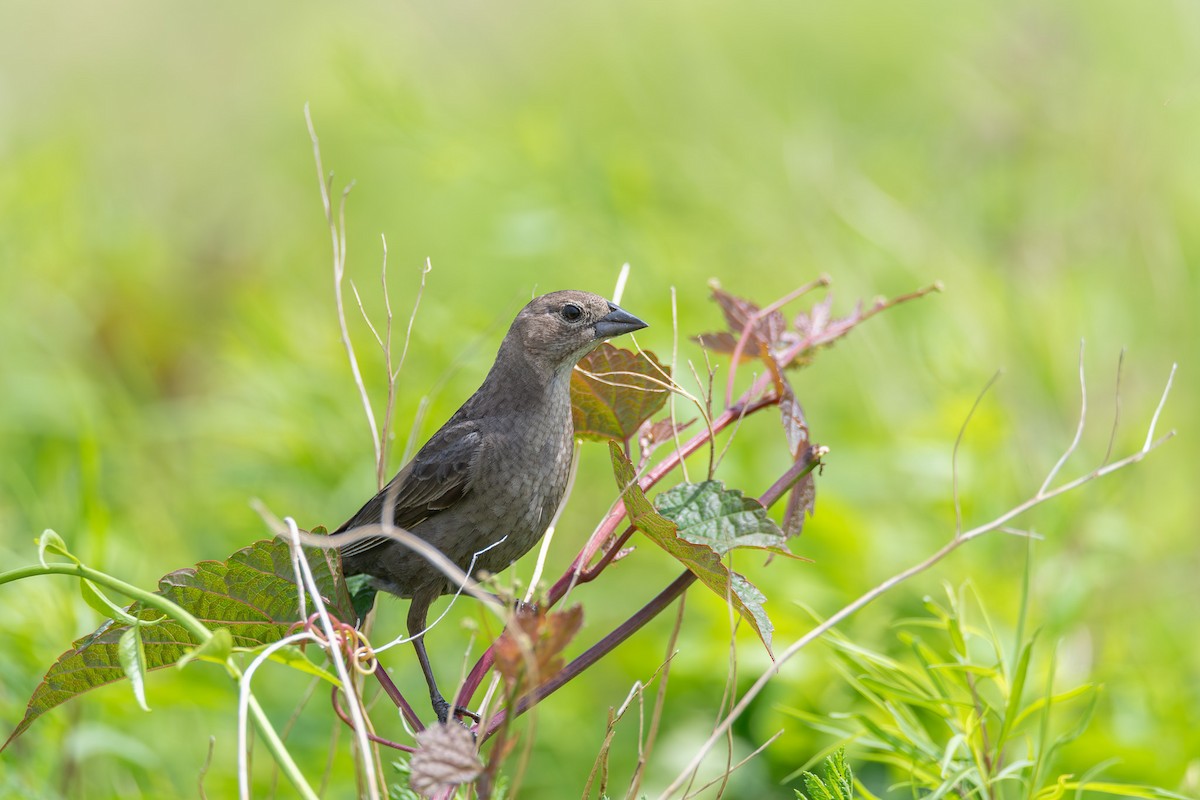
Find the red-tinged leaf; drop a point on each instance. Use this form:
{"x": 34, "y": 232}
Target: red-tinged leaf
{"x": 800, "y": 504}
{"x": 614, "y": 391}
{"x": 765, "y": 329}
{"x": 795, "y": 426}
{"x": 814, "y": 322}
{"x": 252, "y": 594}
{"x": 722, "y": 342}
{"x": 702, "y": 560}
{"x": 529, "y": 652}
{"x": 651, "y": 435}
{"x": 817, "y": 328}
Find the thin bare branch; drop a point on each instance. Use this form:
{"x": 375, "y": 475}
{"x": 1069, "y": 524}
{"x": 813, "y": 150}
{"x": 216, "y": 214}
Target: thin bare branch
{"x": 366, "y": 317}
{"x": 336, "y": 655}
{"x": 962, "y": 430}
{"x": 337, "y": 229}
{"x": 1161, "y": 402}
{"x": 675, "y": 360}
{"x": 647, "y": 748}
{"x": 895, "y": 580}
{"x": 413, "y": 316}
{"x": 1078, "y": 429}
{"x": 740, "y": 764}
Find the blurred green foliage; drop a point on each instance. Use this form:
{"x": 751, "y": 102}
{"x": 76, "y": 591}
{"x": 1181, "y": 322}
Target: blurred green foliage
{"x": 169, "y": 348}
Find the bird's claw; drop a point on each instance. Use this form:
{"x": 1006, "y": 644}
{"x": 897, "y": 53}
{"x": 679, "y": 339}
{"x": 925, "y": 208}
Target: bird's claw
{"x": 442, "y": 709}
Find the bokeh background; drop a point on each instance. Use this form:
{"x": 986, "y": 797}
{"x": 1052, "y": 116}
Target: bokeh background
{"x": 168, "y": 346}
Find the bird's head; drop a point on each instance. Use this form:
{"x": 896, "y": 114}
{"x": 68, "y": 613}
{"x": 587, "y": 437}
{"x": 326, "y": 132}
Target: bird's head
{"x": 557, "y": 329}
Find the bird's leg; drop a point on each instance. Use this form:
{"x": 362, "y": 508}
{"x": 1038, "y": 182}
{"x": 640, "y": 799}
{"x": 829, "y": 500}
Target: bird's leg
{"x": 418, "y": 612}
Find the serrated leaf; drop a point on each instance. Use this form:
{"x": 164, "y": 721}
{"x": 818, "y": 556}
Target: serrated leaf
{"x": 818, "y": 328}
{"x": 764, "y": 329}
{"x": 613, "y": 391}
{"x": 529, "y": 652}
{"x": 251, "y": 594}
{"x": 726, "y": 343}
{"x": 768, "y": 336}
{"x": 701, "y": 560}
{"x": 131, "y": 652}
{"x": 708, "y": 513}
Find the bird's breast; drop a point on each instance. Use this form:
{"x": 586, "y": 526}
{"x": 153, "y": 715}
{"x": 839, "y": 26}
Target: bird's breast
{"x": 523, "y": 482}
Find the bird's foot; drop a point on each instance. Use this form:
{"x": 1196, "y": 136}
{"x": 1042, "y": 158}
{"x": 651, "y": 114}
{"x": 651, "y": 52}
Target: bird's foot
{"x": 460, "y": 712}
{"x": 442, "y": 709}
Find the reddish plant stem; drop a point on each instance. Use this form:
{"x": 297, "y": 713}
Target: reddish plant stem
{"x": 596, "y": 651}
{"x": 656, "y": 606}
{"x": 391, "y": 691}
{"x": 556, "y": 593}
{"x": 576, "y": 572}
{"x": 344, "y": 717}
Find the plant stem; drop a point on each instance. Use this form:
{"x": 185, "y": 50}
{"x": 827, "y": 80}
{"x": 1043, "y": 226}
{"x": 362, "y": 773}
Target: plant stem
{"x": 575, "y": 573}
{"x": 802, "y": 467}
{"x": 598, "y": 650}
{"x": 194, "y": 627}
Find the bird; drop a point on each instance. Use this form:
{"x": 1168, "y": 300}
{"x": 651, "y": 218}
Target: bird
{"x": 486, "y": 485}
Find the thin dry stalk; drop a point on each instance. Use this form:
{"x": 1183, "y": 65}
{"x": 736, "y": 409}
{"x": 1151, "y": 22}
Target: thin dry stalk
{"x": 644, "y": 750}
{"x": 1043, "y": 495}
{"x": 337, "y": 232}
{"x": 962, "y": 431}
{"x": 725, "y": 776}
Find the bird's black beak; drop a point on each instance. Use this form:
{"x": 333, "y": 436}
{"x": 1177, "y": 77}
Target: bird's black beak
{"x": 616, "y": 322}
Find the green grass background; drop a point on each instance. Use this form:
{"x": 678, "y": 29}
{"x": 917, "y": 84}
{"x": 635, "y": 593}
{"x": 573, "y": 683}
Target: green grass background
{"x": 169, "y": 348}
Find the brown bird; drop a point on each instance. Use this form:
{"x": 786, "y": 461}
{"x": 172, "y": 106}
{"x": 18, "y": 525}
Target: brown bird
{"x": 487, "y": 484}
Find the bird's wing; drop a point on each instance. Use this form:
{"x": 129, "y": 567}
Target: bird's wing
{"x": 439, "y": 476}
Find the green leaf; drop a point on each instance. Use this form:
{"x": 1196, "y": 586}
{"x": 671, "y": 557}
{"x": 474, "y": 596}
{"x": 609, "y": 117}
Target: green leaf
{"x": 295, "y": 658}
{"x": 101, "y": 604}
{"x": 708, "y": 513}
{"x": 1012, "y": 710}
{"x": 837, "y": 783}
{"x": 362, "y": 594}
{"x": 219, "y": 648}
{"x": 132, "y": 653}
{"x": 614, "y": 391}
{"x": 701, "y": 559}
{"x": 252, "y": 594}
{"x": 51, "y": 542}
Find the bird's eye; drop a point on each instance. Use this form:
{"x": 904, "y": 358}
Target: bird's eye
{"x": 571, "y": 312}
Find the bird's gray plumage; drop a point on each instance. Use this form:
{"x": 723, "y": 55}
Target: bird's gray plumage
{"x": 484, "y": 488}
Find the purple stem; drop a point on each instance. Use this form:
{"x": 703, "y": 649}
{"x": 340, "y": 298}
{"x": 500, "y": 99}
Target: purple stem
{"x": 576, "y": 572}
{"x": 344, "y": 717}
{"x": 597, "y": 651}
{"x": 802, "y": 467}
{"x": 391, "y": 691}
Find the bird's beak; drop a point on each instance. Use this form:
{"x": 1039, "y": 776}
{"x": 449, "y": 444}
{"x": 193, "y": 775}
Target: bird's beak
{"x": 616, "y": 322}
